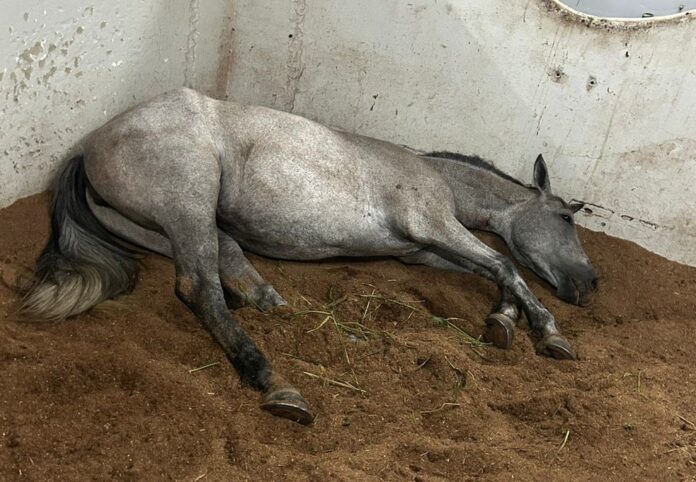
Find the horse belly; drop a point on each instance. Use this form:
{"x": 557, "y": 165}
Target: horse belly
{"x": 302, "y": 191}
{"x": 314, "y": 226}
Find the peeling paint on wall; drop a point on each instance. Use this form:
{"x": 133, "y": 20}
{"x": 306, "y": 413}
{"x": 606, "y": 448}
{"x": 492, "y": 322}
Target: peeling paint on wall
{"x": 67, "y": 68}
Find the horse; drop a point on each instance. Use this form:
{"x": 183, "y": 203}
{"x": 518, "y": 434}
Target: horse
{"x": 200, "y": 180}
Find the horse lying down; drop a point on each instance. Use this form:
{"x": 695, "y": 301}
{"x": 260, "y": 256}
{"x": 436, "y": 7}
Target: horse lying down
{"x": 199, "y": 180}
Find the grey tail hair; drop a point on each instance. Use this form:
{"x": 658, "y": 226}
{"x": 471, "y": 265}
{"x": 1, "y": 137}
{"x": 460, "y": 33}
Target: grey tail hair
{"x": 82, "y": 263}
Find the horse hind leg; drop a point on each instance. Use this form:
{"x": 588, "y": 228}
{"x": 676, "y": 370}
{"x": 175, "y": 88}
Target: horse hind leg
{"x": 502, "y": 321}
{"x": 242, "y": 283}
{"x": 183, "y": 205}
{"x": 195, "y": 247}
{"x": 129, "y": 230}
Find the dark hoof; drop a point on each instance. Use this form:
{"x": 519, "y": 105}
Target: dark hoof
{"x": 500, "y": 330}
{"x": 557, "y": 347}
{"x": 288, "y": 403}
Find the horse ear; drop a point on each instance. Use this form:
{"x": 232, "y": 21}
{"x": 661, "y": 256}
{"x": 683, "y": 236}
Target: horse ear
{"x": 541, "y": 176}
{"x": 576, "y": 206}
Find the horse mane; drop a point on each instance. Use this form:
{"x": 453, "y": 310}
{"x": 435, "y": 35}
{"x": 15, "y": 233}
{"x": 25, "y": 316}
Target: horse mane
{"x": 474, "y": 161}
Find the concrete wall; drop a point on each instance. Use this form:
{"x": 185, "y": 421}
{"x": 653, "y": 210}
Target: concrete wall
{"x": 67, "y": 67}
{"x": 612, "y": 105}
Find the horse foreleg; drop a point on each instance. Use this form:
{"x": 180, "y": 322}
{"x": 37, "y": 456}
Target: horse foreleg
{"x": 451, "y": 237}
{"x": 501, "y": 322}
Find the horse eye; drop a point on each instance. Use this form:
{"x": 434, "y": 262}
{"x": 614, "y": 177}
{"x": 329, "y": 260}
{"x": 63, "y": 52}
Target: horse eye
{"x": 567, "y": 218}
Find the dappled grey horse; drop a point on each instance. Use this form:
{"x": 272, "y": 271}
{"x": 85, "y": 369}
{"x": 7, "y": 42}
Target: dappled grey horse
{"x": 199, "y": 180}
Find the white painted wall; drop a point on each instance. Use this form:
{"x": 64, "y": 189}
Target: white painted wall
{"x": 67, "y": 67}
{"x": 612, "y": 105}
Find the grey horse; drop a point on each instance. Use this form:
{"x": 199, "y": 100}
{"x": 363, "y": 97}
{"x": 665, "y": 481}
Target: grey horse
{"x": 199, "y": 180}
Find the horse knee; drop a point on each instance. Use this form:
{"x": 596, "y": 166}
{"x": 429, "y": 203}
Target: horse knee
{"x": 505, "y": 270}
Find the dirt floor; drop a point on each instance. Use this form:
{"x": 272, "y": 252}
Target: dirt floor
{"x": 111, "y": 394}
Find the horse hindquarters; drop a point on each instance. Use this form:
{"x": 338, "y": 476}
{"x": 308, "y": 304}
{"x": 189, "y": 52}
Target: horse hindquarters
{"x": 182, "y": 204}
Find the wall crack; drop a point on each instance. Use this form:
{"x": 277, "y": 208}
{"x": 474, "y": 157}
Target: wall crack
{"x": 294, "y": 65}
{"x": 192, "y": 42}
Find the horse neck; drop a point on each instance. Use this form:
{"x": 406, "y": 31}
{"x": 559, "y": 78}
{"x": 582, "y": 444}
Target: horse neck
{"x": 485, "y": 199}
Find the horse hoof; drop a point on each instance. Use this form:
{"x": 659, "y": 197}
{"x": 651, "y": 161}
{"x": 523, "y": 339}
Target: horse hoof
{"x": 267, "y": 297}
{"x": 500, "y": 330}
{"x": 557, "y": 347}
{"x": 288, "y": 403}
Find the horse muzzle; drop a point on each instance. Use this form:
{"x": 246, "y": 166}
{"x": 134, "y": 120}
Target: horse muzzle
{"x": 578, "y": 291}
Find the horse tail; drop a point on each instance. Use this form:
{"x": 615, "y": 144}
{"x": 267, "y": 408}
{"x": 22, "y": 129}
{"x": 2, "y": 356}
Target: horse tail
{"x": 82, "y": 263}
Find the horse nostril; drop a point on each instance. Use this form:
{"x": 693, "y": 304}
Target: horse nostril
{"x": 594, "y": 284}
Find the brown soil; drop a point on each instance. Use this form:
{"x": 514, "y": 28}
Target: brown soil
{"x": 109, "y": 395}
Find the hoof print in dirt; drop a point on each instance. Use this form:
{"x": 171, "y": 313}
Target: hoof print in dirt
{"x": 17, "y": 278}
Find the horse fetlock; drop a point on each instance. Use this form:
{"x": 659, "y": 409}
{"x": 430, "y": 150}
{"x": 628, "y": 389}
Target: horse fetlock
{"x": 547, "y": 326}
{"x": 508, "y": 278}
{"x": 505, "y": 272}
{"x": 509, "y": 309}
{"x": 251, "y": 365}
